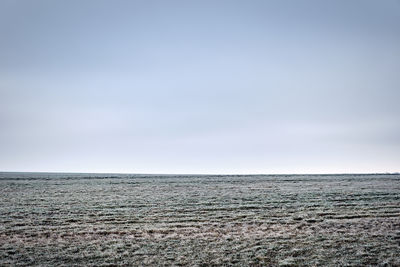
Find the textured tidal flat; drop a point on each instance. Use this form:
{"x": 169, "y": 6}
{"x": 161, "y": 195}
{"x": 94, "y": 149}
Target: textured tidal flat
{"x": 96, "y": 220}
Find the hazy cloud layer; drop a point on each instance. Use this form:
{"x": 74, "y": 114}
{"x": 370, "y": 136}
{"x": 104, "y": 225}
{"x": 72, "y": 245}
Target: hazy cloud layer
{"x": 200, "y": 86}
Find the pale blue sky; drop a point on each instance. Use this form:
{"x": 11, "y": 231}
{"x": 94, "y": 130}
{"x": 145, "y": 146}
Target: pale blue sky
{"x": 200, "y": 86}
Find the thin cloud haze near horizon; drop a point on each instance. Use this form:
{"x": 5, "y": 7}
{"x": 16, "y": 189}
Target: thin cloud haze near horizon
{"x": 200, "y": 86}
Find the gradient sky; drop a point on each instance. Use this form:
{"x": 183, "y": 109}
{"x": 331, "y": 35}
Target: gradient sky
{"x": 200, "y": 86}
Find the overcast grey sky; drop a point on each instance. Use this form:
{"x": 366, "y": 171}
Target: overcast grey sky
{"x": 200, "y": 86}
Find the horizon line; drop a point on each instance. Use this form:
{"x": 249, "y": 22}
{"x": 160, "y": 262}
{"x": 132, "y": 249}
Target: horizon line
{"x": 203, "y": 174}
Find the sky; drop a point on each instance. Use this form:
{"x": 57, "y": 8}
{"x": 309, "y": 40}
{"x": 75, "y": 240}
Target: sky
{"x": 222, "y": 87}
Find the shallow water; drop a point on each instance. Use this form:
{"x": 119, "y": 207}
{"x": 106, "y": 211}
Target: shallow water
{"x": 113, "y": 219}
